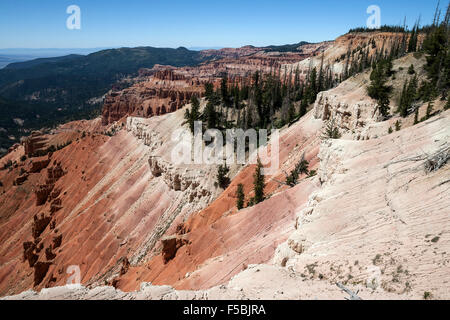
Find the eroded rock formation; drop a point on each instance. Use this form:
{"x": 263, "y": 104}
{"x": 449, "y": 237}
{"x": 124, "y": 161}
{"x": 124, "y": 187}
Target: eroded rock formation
{"x": 165, "y": 89}
{"x": 120, "y": 209}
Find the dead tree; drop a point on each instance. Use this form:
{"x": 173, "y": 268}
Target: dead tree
{"x": 353, "y": 295}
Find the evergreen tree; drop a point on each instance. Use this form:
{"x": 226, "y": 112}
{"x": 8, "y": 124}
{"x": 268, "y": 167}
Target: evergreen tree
{"x": 303, "y": 107}
{"x": 209, "y": 90}
{"x": 313, "y": 86}
{"x": 240, "y": 196}
{"x": 331, "y": 131}
{"x": 193, "y": 115}
{"x": 412, "y": 44}
{"x": 210, "y": 116}
{"x": 411, "y": 70}
{"x": 403, "y": 107}
{"x": 222, "y": 180}
{"x": 412, "y": 90}
{"x": 435, "y": 46}
{"x": 224, "y": 91}
{"x": 378, "y": 89}
{"x": 416, "y": 116}
{"x": 300, "y": 168}
{"x": 258, "y": 183}
{"x": 429, "y": 111}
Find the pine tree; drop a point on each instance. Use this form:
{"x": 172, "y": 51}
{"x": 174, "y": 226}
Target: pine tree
{"x": 300, "y": 168}
{"x": 240, "y": 196}
{"x": 378, "y": 89}
{"x": 435, "y": 46}
{"x": 411, "y": 70}
{"x": 312, "y": 86}
{"x": 222, "y": 180}
{"x": 331, "y": 131}
{"x": 193, "y": 115}
{"x": 258, "y": 183}
{"x": 209, "y": 90}
{"x": 403, "y": 107}
{"x": 210, "y": 116}
{"x": 416, "y": 116}
{"x": 412, "y": 91}
{"x": 429, "y": 111}
{"x": 303, "y": 106}
{"x": 412, "y": 44}
{"x": 224, "y": 91}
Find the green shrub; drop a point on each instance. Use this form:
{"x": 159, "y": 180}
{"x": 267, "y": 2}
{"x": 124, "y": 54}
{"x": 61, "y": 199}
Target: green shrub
{"x": 331, "y": 131}
{"x": 300, "y": 167}
{"x": 240, "y": 196}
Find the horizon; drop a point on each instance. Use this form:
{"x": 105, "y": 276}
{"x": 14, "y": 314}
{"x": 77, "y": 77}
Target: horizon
{"x": 112, "y": 24}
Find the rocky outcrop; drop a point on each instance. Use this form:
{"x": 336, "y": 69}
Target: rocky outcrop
{"x": 170, "y": 246}
{"x": 43, "y": 191}
{"x": 164, "y": 92}
{"x": 40, "y": 271}
{"x": 348, "y": 116}
{"x": 125, "y": 266}
{"x": 39, "y": 164}
{"x": 21, "y": 179}
{"x": 178, "y": 179}
{"x": 57, "y": 240}
{"x": 126, "y": 212}
{"x": 372, "y": 244}
{"x": 165, "y": 89}
{"x": 39, "y": 224}
{"x": 34, "y": 143}
{"x": 29, "y": 253}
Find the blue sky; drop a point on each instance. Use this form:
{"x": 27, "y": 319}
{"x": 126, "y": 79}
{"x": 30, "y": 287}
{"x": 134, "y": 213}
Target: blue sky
{"x": 226, "y": 23}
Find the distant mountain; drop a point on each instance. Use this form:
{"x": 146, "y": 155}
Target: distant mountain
{"x": 49, "y": 91}
{"x": 35, "y": 62}
{"x": 102, "y": 68}
{"x": 8, "y": 59}
{"x": 205, "y": 48}
{"x": 13, "y": 55}
{"x": 286, "y": 48}
{"x": 49, "y": 52}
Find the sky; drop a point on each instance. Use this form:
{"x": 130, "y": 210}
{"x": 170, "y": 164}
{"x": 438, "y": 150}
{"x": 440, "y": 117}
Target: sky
{"x": 212, "y": 23}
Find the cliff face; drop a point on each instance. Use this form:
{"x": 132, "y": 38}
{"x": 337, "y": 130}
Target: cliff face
{"x": 162, "y": 92}
{"x": 375, "y": 218}
{"x": 165, "y": 89}
{"x": 114, "y": 203}
{"x": 96, "y": 202}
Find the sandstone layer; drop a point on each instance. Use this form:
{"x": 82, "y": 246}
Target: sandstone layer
{"x": 115, "y": 204}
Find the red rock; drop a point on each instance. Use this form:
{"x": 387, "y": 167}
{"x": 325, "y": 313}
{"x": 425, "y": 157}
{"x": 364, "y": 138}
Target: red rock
{"x": 170, "y": 246}
{"x": 49, "y": 255}
{"x": 39, "y": 225}
{"x": 38, "y": 165}
{"x": 40, "y": 271}
{"x": 34, "y": 143}
{"x": 57, "y": 241}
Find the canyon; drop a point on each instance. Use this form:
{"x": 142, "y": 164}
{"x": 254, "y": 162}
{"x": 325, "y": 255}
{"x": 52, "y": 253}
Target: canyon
{"x": 109, "y": 199}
